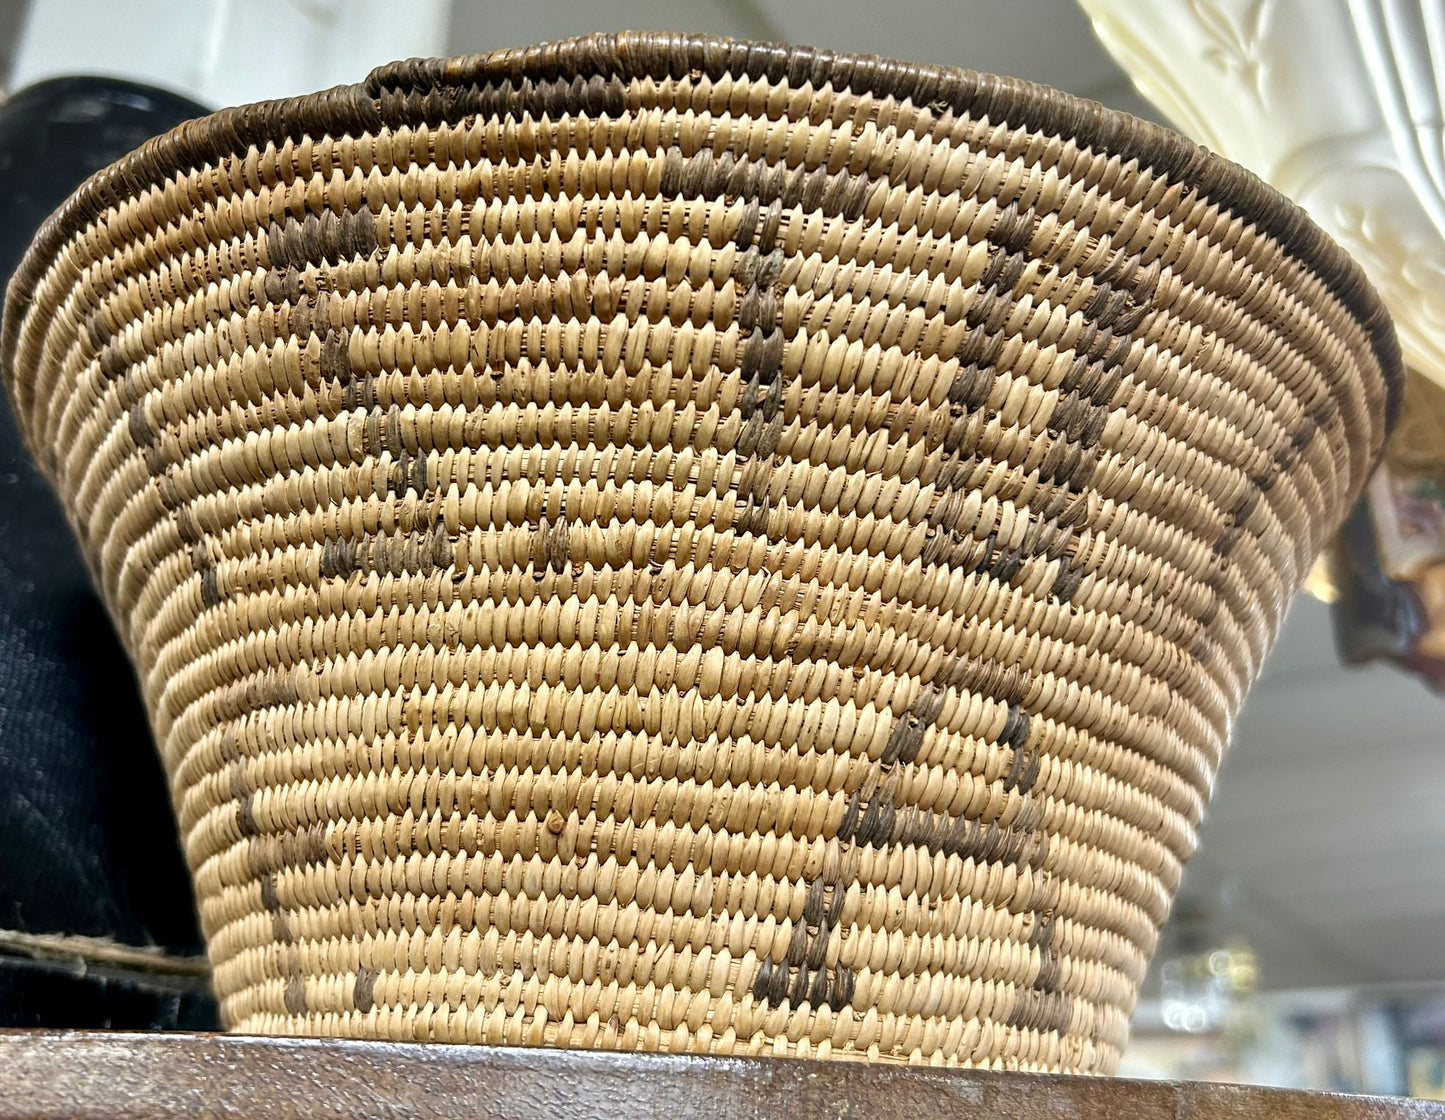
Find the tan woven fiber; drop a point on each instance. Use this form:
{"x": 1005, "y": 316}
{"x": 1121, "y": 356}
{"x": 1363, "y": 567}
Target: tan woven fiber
{"x": 660, "y": 543}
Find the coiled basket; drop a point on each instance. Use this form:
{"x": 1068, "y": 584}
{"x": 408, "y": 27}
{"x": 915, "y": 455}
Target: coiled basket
{"x": 661, "y": 543}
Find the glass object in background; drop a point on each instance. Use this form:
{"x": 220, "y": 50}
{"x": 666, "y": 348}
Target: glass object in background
{"x": 1383, "y": 1041}
{"x": 1206, "y": 991}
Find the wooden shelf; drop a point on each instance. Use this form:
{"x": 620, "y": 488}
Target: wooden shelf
{"x": 80, "y": 1075}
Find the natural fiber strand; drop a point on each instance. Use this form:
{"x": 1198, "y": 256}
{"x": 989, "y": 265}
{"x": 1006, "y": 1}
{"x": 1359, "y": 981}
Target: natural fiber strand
{"x": 659, "y": 543}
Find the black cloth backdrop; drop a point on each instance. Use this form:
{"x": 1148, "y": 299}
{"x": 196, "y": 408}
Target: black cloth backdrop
{"x": 87, "y": 835}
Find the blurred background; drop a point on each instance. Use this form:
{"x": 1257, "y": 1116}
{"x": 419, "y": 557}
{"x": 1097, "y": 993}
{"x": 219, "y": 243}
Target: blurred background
{"x": 1308, "y": 944}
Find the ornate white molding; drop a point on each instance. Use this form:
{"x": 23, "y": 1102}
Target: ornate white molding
{"x": 1335, "y": 102}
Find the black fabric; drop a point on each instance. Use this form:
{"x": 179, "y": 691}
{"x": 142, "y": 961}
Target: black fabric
{"x": 46, "y": 994}
{"x": 87, "y": 837}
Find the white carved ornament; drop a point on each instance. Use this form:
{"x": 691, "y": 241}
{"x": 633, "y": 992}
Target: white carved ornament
{"x": 1337, "y": 103}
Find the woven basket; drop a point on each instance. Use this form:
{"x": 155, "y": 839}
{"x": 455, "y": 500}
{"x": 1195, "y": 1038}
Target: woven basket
{"x": 661, "y": 543}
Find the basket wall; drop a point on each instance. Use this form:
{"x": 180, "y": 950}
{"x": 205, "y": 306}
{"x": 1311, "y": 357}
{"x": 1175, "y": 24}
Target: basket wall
{"x": 663, "y": 544}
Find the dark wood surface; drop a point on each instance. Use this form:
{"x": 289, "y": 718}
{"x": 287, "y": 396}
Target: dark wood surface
{"x": 82, "y": 1075}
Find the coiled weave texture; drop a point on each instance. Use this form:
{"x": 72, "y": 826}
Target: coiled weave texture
{"x": 660, "y": 543}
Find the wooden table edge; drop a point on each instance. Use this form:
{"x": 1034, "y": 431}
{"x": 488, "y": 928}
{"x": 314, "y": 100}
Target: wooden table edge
{"x": 49, "y": 1075}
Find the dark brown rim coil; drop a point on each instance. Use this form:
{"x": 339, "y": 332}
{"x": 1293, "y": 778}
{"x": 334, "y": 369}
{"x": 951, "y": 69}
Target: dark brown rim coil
{"x": 430, "y": 90}
{"x": 663, "y": 544}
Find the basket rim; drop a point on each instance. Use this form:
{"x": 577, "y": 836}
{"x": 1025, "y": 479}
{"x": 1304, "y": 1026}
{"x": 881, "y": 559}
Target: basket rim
{"x": 428, "y": 90}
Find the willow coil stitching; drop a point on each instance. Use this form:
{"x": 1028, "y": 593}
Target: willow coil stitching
{"x": 660, "y": 543}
